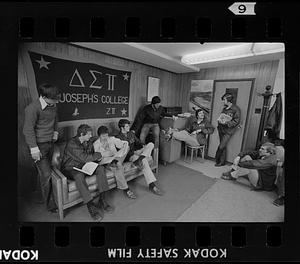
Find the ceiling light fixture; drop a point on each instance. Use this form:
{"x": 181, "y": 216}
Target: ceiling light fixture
{"x": 234, "y": 52}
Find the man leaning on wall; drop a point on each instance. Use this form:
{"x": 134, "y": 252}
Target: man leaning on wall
{"x": 40, "y": 131}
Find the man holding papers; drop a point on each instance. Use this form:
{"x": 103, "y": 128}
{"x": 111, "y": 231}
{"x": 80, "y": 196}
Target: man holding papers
{"x": 78, "y": 155}
{"x": 108, "y": 146}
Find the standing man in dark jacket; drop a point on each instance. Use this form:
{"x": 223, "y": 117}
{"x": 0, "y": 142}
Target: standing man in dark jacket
{"x": 149, "y": 119}
{"x": 79, "y": 151}
{"x": 259, "y": 166}
{"x": 40, "y": 131}
{"x": 228, "y": 123}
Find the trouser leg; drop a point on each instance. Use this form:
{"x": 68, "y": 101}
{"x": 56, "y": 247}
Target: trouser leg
{"x": 148, "y": 174}
{"x": 44, "y": 171}
{"x": 82, "y": 187}
{"x": 119, "y": 174}
{"x": 101, "y": 179}
{"x": 147, "y": 150}
{"x": 183, "y": 135}
{"x": 144, "y": 133}
{"x": 222, "y": 149}
{"x": 155, "y": 131}
{"x": 252, "y": 174}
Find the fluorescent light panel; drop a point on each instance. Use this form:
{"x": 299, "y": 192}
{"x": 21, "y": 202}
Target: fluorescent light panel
{"x": 240, "y": 51}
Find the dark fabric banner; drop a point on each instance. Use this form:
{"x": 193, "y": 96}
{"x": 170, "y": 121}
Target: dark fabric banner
{"x": 87, "y": 90}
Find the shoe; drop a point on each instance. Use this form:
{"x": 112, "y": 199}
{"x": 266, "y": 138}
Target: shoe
{"x": 53, "y": 210}
{"x": 94, "y": 213}
{"x": 279, "y": 201}
{"x": 220, "y": 164}
{"x": 156, "y": 190}
{"x": 227, "y": 176}
{"x": 139, "y": 162}
{"x": 257, "y": 189}
{"x": 108, "y": 208}
{"x": 130, "y": 194}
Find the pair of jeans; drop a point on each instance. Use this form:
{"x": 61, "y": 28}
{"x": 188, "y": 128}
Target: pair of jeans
{"x": 81, "y": 184}
{"x": 145, "y": 151}
{"x": 185, "y": 136}
{"x": 145, "y": 131}
{"x": 252, "y": 174}
{"x": 222, "y": 149}
{"x": 44, "y": 171}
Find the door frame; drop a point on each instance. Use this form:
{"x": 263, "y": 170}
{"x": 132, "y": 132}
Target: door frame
{"x": 246, "y": 124}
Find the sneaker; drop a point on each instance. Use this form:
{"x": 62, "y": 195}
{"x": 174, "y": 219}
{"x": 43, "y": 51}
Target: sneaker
{"x": 227, "y": 176}
{"x": 94, "y": 213}
{"x": 138, "y": 163}
{"x": 130, "y": 194}
{"x": 279, "y": 201}
{"x": 156, "y": 190}
{"x": 102, "y": 204}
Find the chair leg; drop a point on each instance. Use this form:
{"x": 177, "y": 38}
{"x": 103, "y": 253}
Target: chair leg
{"x": 202, "y": 150}
{"x": 185, "y": 151}
{"x": 192, "y": 152}
{"x": 60, "y": 212}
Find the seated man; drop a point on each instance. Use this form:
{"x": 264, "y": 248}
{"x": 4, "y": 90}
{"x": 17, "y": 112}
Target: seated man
{"x": 137, "y": 154}
{"x": 107, "y": 146}
{"x": 77, "y": 152}
{"x": 259, "y": 166}
{"x": 195, "y": 134}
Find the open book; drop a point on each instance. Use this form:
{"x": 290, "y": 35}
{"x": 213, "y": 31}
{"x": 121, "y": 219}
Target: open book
{"x": 88, "y": 168}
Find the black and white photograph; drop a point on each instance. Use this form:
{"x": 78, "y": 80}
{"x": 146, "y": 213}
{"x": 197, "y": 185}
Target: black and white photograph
{"x": 151, "y": 132}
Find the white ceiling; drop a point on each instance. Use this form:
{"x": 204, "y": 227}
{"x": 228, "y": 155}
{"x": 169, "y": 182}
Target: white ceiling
{"x": 167, "y": 56}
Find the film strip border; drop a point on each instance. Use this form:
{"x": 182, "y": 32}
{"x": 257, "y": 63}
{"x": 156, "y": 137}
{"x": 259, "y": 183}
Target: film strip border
{"x": 148, "y": 241}
{"x": 98, "y": 28}
{"x": 188, "y": 21}
{"x": 164, "y": 21}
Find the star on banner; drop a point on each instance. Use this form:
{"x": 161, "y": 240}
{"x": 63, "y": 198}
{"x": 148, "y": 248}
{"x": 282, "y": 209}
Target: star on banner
{"x": 123, "y": 111}
{"x": 125, "y": 76}
{"x": 43, "y": 63}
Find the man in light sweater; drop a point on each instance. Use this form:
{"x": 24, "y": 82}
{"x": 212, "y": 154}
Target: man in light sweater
{"x": 40, "y": 131}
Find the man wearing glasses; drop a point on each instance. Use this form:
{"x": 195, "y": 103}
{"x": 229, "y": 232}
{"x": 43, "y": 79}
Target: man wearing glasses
{"x": 258, "y": 166}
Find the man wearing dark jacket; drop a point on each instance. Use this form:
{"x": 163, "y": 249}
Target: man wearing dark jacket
{"x": 228, "y": 123}
{"x": 138, "y": 154}
{"x": 79, "y": 151}
{"x": 259, "y": 166}
{"x": 149, "y": 119}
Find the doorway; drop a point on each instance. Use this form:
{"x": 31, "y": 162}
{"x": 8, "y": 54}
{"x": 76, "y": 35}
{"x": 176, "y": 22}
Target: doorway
{"x": 242, "y": 91}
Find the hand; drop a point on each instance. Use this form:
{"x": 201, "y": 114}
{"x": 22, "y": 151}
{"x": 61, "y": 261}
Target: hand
{"x": 236, "y": 161}
{"x": 55, "y": 136}
{"x": 133, "y": 131}
{"x": 194, "y": 133}
{"x": 36, "y": 156}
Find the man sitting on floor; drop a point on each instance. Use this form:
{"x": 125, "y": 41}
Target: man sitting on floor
{"x": 108, "y": 146}
{"x": 78, "y": 152}
{"x": 138, "y": 153}
{"x": 259, "y": 166}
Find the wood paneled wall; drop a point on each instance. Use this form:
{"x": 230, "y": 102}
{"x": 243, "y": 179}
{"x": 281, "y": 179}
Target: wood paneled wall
{"x": 169, "y": 92}
{"x": 264, "y": 74}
